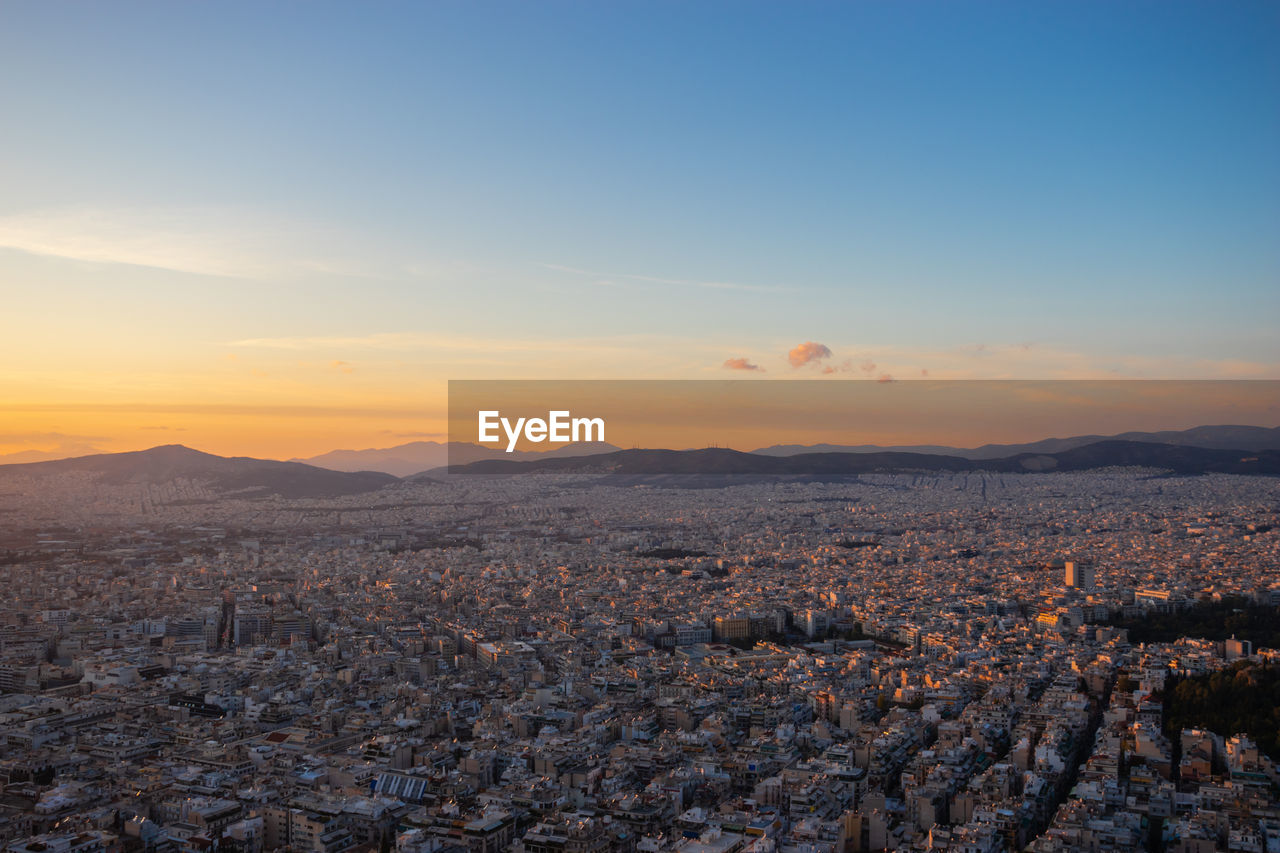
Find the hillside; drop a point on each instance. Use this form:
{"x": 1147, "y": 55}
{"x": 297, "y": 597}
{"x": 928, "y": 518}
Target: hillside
{"x": 719, "y": 461}
{"x": 171, "y": 462}
{"x": 1221, "y": 437}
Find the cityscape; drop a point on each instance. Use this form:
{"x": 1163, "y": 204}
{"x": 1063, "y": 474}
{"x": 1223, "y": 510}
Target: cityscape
{"x": 640, "y": 426}
{"x": 896, "y": 661}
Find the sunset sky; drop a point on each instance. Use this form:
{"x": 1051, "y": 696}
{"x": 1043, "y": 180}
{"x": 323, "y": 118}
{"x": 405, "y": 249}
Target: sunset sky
{"x": 277, "y": 229}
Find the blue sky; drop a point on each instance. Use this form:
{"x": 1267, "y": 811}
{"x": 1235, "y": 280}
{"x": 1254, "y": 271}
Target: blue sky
{"x": 424, "y": 191}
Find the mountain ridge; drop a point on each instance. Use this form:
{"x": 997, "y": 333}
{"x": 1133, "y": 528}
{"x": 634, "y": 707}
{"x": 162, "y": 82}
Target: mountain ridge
{"x": 293, "y": 478}
{"x": 415, "y": 457}
{"x": 1216, "y": 437}
{"x": 168, "y": 462}
{"x": 423, "y": 457}
{"x": 722, "y": 461}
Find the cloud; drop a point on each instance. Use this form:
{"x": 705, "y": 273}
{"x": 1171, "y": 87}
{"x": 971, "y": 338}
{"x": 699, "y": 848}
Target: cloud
{"x": 741, "y": 364}
{"x": 812, "y": 352}
{"x": 213, "y": 241}
{"x": 225, "y": 410}
{"x": 808, "y": 352}
{"x": 343, "y": 366}
{"x": 609, "y": 279}
{"x": 867, "y": 366}
{"x": 417, "y": 341}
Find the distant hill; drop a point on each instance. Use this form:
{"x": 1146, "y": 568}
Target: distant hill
{"x": 23, "y": 456}
{"x": 228, "y": 474}
{"x": 341, "y": 476}
{"x": 400, "y": 461}
{"x": 419, "y": 456}
{"x": 1227, "y": 437}
{"x": 719, "y": 461}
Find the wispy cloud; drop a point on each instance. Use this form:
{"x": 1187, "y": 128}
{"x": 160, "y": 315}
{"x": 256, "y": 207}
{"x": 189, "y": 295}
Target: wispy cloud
{"x": 1040, "y": 361}
{"x": 611, "y": 279}
{"x": 422, "y": 341}
{"x": 741, "y": 364}
{"x": 847, "y": 366}
{"x": 213, "y": 241}
{"x": 224, "y": 409}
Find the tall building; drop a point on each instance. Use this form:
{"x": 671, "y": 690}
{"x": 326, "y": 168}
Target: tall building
{"x": 731, "y": 628}
{"x": 1079, "y": 575}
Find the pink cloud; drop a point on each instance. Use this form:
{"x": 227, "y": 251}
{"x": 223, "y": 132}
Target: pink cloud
{"x": 741, "y": 364}
{"x": 807, "y": 353}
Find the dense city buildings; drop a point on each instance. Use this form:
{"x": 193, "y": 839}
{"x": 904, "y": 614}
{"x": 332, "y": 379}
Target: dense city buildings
{"x": 570, "y": 663}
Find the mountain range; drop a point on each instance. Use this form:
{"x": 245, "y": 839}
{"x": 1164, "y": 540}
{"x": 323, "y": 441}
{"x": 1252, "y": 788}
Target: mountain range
{"x": 245, "y": 476}
{"x": 418, "y": 456}
{"x": 1227, "y": 437}
{"x": 719, "y": 461}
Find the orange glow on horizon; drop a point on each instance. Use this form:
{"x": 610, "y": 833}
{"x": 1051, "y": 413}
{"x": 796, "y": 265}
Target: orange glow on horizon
{"x": 695, "y": 416}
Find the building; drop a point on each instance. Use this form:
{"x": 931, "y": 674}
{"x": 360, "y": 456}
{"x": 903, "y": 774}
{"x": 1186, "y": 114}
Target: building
{"x": 1079, "y": 575}
{"x": 729, "y": 628}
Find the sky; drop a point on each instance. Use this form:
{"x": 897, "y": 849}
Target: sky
{"x": 276, "y": 229}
